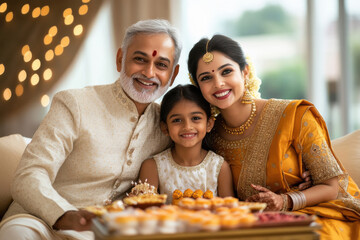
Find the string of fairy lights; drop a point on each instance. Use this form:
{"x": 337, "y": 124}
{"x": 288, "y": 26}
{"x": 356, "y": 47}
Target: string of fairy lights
{"x": 36, "y": 69}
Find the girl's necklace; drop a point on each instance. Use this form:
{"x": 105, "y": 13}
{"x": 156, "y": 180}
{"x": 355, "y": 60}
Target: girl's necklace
{"x": 241, "y": 129}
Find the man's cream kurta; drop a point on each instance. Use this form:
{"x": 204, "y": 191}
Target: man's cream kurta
{"x": 90, "y": 138}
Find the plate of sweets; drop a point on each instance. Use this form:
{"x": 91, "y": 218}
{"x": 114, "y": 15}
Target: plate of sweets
{"x": 199, "y": 200}
{"x": 144, "y": 195}
{"x": 100, "y": 210}
{"x": 276, "y": 218}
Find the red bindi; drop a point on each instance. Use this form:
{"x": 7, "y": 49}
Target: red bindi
{"x": 212, "y": 70}
{"x": 154, "y": 53}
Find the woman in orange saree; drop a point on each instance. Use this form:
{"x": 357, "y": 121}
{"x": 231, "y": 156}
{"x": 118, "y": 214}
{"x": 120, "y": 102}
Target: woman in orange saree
{"x": 269, "y": 143}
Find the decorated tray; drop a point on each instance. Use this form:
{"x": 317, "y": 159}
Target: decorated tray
{"x": 143, "y": 214}
{"x": 284, "y": 231}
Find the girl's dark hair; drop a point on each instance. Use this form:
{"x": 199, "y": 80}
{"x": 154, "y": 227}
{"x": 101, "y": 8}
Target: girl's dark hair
{"x": 218, "y": 43}
{"x": 188, "y": 92}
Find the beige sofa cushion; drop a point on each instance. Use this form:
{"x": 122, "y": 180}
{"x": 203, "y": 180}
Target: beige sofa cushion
{"x": 347, "y": 149}
{"x": 11, "y": 150}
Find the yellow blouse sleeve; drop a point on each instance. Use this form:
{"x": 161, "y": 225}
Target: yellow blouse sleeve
{"x": 316, "y": 153}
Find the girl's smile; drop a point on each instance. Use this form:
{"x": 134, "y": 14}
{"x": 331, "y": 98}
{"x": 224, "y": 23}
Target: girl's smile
{"x": 187, "y": 123}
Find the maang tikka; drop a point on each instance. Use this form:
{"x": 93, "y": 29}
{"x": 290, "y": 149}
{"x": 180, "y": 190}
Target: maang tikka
{"x": 208, "y": 56}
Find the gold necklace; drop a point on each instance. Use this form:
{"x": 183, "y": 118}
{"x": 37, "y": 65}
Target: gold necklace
{"x": 241, "y": 129}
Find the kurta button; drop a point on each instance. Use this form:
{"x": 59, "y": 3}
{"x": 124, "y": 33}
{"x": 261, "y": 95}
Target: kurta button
{"x": 131, "y": 151}
{"x": 136, "y": 136}
{"x": 133, "y": 119}
{"x": 128, "y": 162}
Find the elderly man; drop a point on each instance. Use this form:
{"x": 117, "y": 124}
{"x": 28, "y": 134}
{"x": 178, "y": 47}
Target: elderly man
{"x": 91, "y": 144}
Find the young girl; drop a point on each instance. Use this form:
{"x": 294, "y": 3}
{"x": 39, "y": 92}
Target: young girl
{"x": 185, "y": 116}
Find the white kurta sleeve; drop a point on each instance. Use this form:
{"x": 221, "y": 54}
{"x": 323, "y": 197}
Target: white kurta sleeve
{"x": 33, "y": 187}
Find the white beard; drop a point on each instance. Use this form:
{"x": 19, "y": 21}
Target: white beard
{"x": 143, "y": 96}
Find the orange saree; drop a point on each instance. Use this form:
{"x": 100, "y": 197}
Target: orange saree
{"x": 289, "y": 137}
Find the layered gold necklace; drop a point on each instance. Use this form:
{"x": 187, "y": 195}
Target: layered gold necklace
{"x": 241, "y": 129}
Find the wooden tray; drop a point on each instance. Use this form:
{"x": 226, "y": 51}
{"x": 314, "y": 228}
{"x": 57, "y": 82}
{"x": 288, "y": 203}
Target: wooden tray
{"x": 302, "y": 230}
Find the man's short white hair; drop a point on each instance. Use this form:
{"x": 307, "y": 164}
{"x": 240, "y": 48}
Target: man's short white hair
{"x": 153, "y": 26}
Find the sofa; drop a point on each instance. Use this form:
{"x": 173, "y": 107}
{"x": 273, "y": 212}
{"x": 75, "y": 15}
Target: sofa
{"x": 346, "y": 148}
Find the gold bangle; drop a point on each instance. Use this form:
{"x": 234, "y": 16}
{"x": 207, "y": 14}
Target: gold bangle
{"x": 285, "y": 203}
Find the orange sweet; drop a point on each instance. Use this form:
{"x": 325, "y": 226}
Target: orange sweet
{"x": 197, "y": 194}
{"x": 188, "y": 193}
{"x": 177, "y": 194}
{"x": 208, "y": 194}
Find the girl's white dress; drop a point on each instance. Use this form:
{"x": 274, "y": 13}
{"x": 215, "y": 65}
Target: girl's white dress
{"x": 172, "y": 176}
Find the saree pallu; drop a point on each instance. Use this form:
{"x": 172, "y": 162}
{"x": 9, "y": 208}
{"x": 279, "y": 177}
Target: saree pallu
{"x": 291, "y": 136}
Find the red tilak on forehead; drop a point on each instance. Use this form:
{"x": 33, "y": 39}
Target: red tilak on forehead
{"x": 154, "y": 53}
{"x": 213, "y": 70}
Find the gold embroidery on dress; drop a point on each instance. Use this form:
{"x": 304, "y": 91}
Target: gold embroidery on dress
{"x": 253, "y": 170}
{"x": 119, "y": 94}
{"x": 321, "y": 163}
{"x": 253, "y": 150}
{"x": 209, "y": 156}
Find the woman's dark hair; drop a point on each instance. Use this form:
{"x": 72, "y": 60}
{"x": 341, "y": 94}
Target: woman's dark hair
{"x": 188, "y": 92}
{"x": 218, "y": 43}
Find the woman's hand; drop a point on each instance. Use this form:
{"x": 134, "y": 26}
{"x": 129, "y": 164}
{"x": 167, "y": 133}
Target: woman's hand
{"x": 75, "y": 220}
{"x": 307, "y": 181}
{"x": 274, "y": 201}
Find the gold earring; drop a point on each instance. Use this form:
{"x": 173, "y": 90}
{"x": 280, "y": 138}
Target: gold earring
{"x": 247, "y": 97}
{"x": 192, "y": 80}
{"x": 214, "y": 112}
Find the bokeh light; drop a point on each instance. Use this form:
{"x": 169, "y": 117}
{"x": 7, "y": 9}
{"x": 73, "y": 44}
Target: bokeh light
{"x": 83, "y": 9}
{"x": 45, "y": 10}
{"x": 78, "y": 29}
{"x": 2, "y": 69}
{"x": 24, "y": 49}
{"x": 45, "y": 100}
{"x": 22, "y": 75}
{"x": 9, "y": 17}
{"x": 49, "y": 55}
{"x": 35, "y": 79}
{"x": 53, "y": 31}
{"x": 69, "y": 19}
{"x": 3, "y": 7}
{"x": 19, "y": 90}
{"x": 47, "y": 74}
{"x": 67, "y": 12}
{"x": 27, "y": 56}
{"x": 36, "y": 12}
{"x": 7, "y": 94}
{"x": 36, "y": 64}
{"x": 59, "y": 50}
{"x": 47, "y": 39}
{"x": 65, "y": 41}
{"x": 25, "y": 9}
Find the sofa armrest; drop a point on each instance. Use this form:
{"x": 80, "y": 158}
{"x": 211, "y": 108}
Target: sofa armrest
{"x": 347, "y": 149}
{"x": 11, "y": 150}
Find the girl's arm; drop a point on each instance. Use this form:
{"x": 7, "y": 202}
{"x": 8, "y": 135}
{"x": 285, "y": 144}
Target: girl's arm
{"x": 148, "y": 171}
{"x": 225, "y": 184}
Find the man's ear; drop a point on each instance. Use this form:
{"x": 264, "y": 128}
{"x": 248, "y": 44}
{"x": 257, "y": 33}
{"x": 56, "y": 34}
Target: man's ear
{"x": 176, "y": 71}
{"x": 210, "y": 124}
{"x": 164, "y": 128}
{"x": 119, "y": 56}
